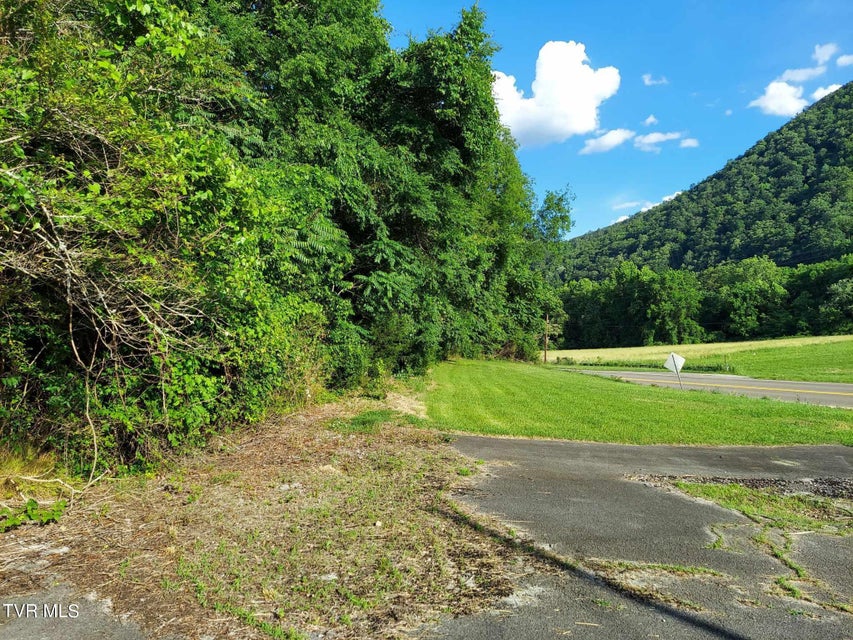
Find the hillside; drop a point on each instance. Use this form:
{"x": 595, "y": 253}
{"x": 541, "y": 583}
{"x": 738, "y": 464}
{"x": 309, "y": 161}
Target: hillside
{"x": 790, "y": 197}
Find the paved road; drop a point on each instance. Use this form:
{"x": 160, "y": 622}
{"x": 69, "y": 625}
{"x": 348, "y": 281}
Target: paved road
{"x": 580, "y": 502}
{"x": 825, "y": 393}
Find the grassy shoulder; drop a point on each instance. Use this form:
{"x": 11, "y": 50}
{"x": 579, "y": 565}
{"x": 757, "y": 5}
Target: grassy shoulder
{"x": 334, "y": 520}
{"x": 818, "y": 358}
{"x": 512, "y": 399}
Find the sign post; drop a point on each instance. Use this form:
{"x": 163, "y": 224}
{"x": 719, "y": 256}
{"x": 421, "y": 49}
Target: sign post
{"x": 674, "y": 363}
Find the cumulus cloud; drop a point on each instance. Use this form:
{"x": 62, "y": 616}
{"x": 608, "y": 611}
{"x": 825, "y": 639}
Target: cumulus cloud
{"x": 566, "y": 95}
{"x": 689, "y": 143}
{"x": 802, "y": 75}
{"x": 844, "y": 61}
{"x": 780, "y": 99}
{"x": 641, "y": 205}
{"x": 822, "y": 92}
{"x": 652, "y": 141}
{"x": 651, "y": 120}
{"x": 823, "y": 52}
{"x": 608, "y": 141}
{"x": 620, "y": 219}
{"x": 650, "y": 81}
{"x": 651, "y": 205}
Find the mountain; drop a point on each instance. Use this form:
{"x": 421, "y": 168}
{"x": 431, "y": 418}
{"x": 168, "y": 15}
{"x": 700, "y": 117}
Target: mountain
{"x": 790, "y": 197}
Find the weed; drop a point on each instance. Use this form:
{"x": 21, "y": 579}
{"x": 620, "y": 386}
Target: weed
{"x": 788, "y": 587}
{"x": 623, "y": 566}
{"x": 367, "y": 422}
{"x": 788, "y": 513}
{"x": 31, "y": 512}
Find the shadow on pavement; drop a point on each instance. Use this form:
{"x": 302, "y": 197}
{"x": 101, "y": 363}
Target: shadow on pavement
{"x": 568, "y": 566}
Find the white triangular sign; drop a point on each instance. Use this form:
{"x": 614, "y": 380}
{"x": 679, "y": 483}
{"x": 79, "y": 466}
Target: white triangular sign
{"x": 674, "y": 362}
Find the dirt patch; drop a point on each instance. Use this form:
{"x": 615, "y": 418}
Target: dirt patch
{"x": 292, "y": 530}
{"x": 407, "y": 404}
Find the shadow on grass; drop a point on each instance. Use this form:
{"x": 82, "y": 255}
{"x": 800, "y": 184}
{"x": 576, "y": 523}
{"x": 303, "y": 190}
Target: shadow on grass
{"x": 568, "y": 566}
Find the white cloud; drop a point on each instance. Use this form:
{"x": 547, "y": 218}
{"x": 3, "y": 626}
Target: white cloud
{"x": 824, "y": 52}
{"x": 844, "y": 61}
{"x": 606, "y": 142}
{"x": 729, "y": 112}
{"x": 802, "y": 75}
{"x": 689, "y": 143}
{"x": 620, "y": 219}
{"x": 651, "y": 141}
{"x": 641, "y": 205}
{"x": 652, "y": 205}
{"x": 565, "y": 98}
{"x": 649, "y": 81}
{"x": 780, "y": 99}
{"x": 636, "y": 205}
{"x": 822, "y": 92}
{"x": 650, "y": 120}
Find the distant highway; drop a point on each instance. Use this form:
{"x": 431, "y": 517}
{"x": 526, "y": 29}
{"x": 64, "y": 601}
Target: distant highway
{"x": 826, "y": 393}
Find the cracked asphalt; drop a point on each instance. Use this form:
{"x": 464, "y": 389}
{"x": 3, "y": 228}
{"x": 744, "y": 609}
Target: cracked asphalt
{"x": 616, "y": 545}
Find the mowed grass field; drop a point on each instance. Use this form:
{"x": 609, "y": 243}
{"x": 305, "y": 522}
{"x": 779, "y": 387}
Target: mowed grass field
{"x": 514, "y": 399}
{"x": 817, "y": 359}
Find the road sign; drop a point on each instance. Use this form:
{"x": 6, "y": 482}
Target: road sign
{"x": 674, "y": 363}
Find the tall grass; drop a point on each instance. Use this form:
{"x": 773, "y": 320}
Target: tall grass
{"x": 504, "y": 398}
{"x": 819, "y": 358}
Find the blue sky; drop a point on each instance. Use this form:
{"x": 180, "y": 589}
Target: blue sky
{"x": 636, "y": 101}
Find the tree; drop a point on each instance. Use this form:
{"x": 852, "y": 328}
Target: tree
{"x": 746, "y": 298}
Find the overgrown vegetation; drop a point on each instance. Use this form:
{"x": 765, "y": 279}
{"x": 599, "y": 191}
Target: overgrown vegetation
{"x": 210, "y": 206}
{"x": 31, "y": 512}
{"x": 514, "y": 399}
{"x": 785, "y": 512}
{"x": 294, "y": 530}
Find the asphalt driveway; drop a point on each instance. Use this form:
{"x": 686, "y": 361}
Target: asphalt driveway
{"x": 634, "y": 560}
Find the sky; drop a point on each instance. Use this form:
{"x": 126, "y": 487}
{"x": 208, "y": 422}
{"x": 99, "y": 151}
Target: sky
{"x": 629, "y": 103}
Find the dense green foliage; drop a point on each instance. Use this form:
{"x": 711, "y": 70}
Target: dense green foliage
{"x": 789, "y": 198}
{"x": 751, "y": 298}
{"x": 207, "y": 207}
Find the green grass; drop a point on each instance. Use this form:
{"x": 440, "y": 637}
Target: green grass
{"x": 512, "y": 399}
{"x": 785, "y": 512}
{"x": 819, "y": 358}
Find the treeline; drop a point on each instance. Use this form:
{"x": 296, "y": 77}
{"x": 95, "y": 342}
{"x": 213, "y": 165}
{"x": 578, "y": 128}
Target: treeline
{"x": 789, "y": 198}
{"x": 737, "y": 300}
{"x": 210, "y": 207}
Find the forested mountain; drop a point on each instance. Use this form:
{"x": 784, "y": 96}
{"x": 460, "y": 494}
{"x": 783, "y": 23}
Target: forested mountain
{"x": 789, "y": 198}
{"x": 213, "y": 204}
